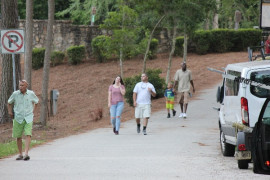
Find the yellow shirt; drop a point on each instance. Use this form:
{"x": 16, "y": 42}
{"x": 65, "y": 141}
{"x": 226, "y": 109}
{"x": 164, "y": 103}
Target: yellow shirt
{"x": 23, "y": 105}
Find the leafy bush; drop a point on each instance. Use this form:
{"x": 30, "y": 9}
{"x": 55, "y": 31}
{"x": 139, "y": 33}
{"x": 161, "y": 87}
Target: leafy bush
{"x": 38, "y": 55}
{"x": 201, "y": 40}
{"x": 224, "y": 40}
{"x": 75, "y": 54}
{"x": 152, "y": 54}
{"x": 57, "y": 57}
{"x": 101, "y": 46}
{"x": 179, "y": 46}
{"x": 220, "y": 40}
{"x": 153, "y": 78}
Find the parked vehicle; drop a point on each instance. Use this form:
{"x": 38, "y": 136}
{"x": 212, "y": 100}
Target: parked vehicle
{"x": 242, "y": 95}
{"x": 261, "y": 141}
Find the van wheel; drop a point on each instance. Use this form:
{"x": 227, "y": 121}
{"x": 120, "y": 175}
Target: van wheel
{"x": 243, "y": 164}
{"x": 226, "y": 149}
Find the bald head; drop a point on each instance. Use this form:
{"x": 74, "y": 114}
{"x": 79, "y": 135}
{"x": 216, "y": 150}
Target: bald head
{"x": 23, "y": 86}
{"x": 184, "y": 66}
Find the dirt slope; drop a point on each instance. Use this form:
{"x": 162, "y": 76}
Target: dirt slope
{"x": 83, "y": 90}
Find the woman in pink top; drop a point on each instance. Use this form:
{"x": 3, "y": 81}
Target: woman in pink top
{"x": 116, "y": 102}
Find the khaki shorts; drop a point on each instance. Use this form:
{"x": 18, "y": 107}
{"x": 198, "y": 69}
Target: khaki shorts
{"x": 182, "y": 97}
{"x": 143, "y": 111}
{"x": 18, "y": 129}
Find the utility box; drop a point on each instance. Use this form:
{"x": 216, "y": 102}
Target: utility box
{"x": 53, "y": 101}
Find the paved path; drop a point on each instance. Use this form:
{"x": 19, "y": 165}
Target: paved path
{"x": 173, "y": 149}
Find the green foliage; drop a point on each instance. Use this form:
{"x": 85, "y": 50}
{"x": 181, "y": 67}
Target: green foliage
{"x": 201, "y": 40}
{"x": 7, "y": 149}
{"x": 40, "y": 8}
{"x": 125, "y": 30}
{"x": 101, "y": 46}
{"x": 224, "y": 40}
{"x": 153, "y": 78}
{"x": 75, "y": 54}
{"x": 152, "y": 54}
{"x": 179, "y": 46}
{"x": 250, "y": 11}
{"x": 57, "y": 57}
{"x": 38, "y": 55}
{"x": 81, "y": 11}
{"x": 220, "y": 40}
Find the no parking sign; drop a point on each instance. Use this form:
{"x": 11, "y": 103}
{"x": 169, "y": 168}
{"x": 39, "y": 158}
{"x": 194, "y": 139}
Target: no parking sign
{"x": 12, "y": 41}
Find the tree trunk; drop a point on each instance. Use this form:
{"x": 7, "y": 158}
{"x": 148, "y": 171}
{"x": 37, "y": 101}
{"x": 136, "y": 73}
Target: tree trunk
{"x": 29, "y": 43}
{"x": 185, "y": 45}
{"x": 215, "y": 19}
{"x": 46, "y": 68}
{"x": 122, "y": 46}
{"x": 149, "y": 43}
{"x": 171, "y": 53}
{"x": 9, "y": 10}
{"x": 121, "y": 61}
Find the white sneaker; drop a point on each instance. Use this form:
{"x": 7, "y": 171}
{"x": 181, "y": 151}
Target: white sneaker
{"x": 181, "y": 115}
{"x": 184, "y": 115}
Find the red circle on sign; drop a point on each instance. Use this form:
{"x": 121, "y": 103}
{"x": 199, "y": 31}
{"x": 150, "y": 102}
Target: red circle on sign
{"x": 6, "y": 36}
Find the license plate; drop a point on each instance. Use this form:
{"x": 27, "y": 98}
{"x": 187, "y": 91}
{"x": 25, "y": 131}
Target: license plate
{"x": 242, "y": 155}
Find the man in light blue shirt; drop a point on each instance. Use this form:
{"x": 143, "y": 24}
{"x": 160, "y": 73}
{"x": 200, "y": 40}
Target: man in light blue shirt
{"x": 22, "y": 102}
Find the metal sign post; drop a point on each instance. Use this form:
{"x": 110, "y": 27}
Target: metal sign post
{"x": 12, "y": 42}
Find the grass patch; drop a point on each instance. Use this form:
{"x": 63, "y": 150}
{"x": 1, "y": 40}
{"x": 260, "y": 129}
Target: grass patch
{"x": 7, "y": 149}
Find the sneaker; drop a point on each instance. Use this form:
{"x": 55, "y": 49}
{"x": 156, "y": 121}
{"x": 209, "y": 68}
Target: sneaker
{"x": 26, "y": 157}
{"x": 181, "y": 115}
{"x": 144, "y": 132}
{"x": 138, "y": 129}
{"x": 114, "y": 129}
{"x": 116, "y": 132}
{"x": 20, "y": 157}
{"x": 168, "y": 115}
{"x": 184, "y": 115}
{"x": 174, "y": 112}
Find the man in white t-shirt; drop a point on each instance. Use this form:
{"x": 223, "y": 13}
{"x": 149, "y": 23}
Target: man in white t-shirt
{"x": 142, "y": 101}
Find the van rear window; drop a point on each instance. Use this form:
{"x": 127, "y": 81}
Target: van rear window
{"x": 262, "y": 77}
{"x": 231, "y": 86}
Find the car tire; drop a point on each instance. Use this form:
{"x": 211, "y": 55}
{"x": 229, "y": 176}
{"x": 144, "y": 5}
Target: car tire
{"x": 243, "y": 164}
{"x": 226, "y": 149}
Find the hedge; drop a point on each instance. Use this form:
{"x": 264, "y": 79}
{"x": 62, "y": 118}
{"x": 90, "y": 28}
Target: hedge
{"x": 75, "y": 54}
{"x": 225, "y": 40}
{"x": 38, "y": 55}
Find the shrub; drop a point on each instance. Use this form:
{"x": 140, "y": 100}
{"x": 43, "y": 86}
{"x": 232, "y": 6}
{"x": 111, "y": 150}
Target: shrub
{"x": 57, "y": 57}
{"x": 224, "y": 40}
{"x": 101, "y": 48}
{"x": 179, "y": 46}
{"x": 152, "y": 54}
{"x": 38, "y": 55}
{"x": 153, "y": 77}
{"x": 220, "y": 40}
{"x": 75, "y": 54}
{"x": 201, "y": 40}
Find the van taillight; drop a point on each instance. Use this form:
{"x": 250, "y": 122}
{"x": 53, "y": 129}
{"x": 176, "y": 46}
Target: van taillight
{"x": 244, "y": 111}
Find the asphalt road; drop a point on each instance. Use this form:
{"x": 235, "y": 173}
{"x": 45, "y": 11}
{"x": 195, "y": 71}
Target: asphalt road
{"x": 173, "y": 149}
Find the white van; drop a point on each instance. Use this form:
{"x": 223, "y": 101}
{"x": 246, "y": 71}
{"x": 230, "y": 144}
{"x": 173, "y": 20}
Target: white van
{"x": 242, "y": 95}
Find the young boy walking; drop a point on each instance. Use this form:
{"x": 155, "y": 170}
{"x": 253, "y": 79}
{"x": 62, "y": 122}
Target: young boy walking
{"x": 169, "y": 96}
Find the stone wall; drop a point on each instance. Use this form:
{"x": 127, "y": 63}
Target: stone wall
{"x": 66, "y": 34}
